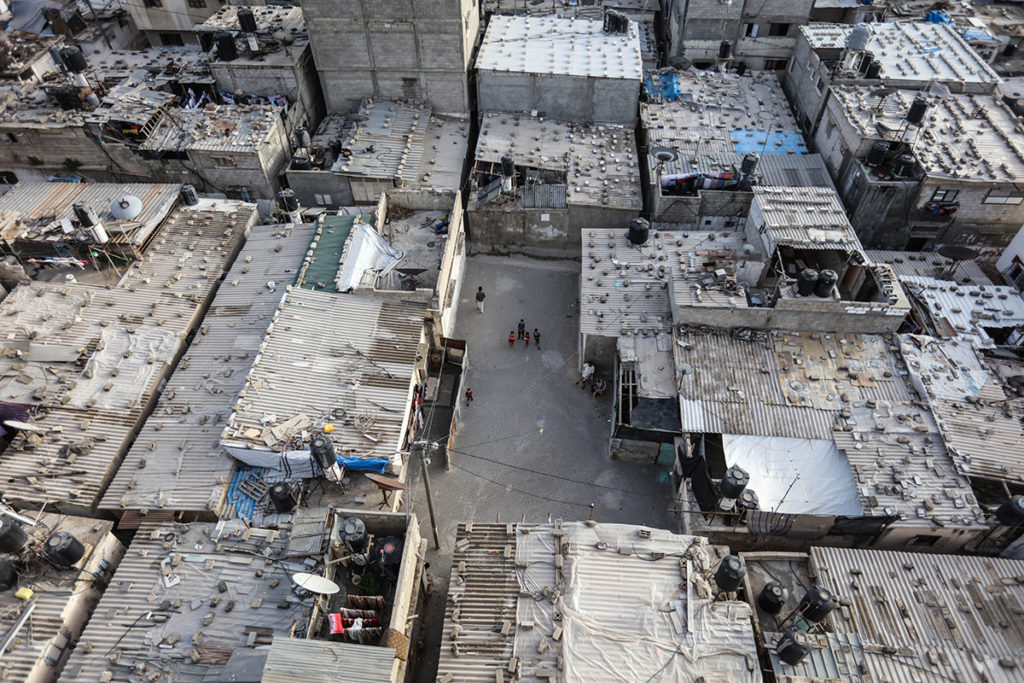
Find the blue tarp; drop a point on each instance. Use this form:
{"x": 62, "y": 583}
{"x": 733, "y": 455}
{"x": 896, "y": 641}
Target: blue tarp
{"x": 661, "y": 86}
{"x": 768, "y": 142}
{"x": 378, "y": 465}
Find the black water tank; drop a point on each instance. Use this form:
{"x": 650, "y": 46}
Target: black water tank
{"x": 874, "y": 71}
{"x": 748, "y": 500}
{"x": 772, "y": 597}
{"x": 205, "y": 41}
{"x": 322, "y": 450}
{"x": 730, "y": 573}
{"x": 827, "y": 279}
{"x": 353, "y": 534}
{"x": 1011, "y": 512}
{"x": 741, "y": 69}
{"x": 733, "y": 483}
{"x": 226, "y": 50}
{"x": 189, "y": 195}
{"x": 904, "y": 166}
{"x": 816, "y": 604}
{"x": 805, "y": 281}
{"x": 793, "y": 647}
{"x": 749, "y": 163}
{"x": 246, "y": 20}
{"x": 301, "y": 162}
{"x": 282, "y": 497}
{"x": 724, "y": 49}
{"x": 73, "y": 59}
{"x": 289, "y": 202}
{"x": 639, "y": 231}
{"x": 876, "y": 155}
{"x": 8, "y": 575}
{"x": 918, "y": 108}
{"x": 389, "y": 551}
{"x": 302, "y": 138}
{"x": 64, "y": 549}
{"x": 865, "y": 63}
{"x": 67, "y": 96}
{"x": 12, "y": 538}
{"x": 508, "y": 168}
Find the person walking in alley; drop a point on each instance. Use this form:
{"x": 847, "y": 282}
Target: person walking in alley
{"x": 469, "y": 396}
{"x": 511, "y": 339}
{"x": 480, "y": 296}
{"x": 536, "y": 337}
{"x": 585, "y": 375}
{"x": 522, "y": 327}
{"x": 526, "y": 338}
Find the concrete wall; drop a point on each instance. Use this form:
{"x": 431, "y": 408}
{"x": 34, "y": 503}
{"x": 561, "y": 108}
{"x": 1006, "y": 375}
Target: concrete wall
{"x": 566, "y": 98}
{"x": 38, "y": 153}
{"x": 707, "y": 203}
{"x": 1014, "y": 253}
{"x": 402, "y": 49}
{"x": 173, "y": 16}
{"x": 541, "y": 232}
{"x": 696, "y": 28}
{"x": 821, "y": 315}
{"x": 453, "y": 268}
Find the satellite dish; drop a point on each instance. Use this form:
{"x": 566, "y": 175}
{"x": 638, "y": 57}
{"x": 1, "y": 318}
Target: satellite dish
{"x": 958, "y": 252}
{"x": 126, "y": 208}
{"x": 664, "y": 154}
{"x": 679, "y": 62}
{"x": 882, "y": 93}
{"x": 315, "y": 584}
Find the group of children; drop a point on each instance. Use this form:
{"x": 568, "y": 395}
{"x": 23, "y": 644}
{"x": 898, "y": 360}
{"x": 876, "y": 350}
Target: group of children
{"x": 587, "y": 375}
{"x": 523, "y": 334}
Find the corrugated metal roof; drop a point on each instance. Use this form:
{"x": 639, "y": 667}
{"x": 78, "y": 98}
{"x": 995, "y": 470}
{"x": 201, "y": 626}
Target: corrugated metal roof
{"x": 806, "y": 217}
{"x": 552, "y": 45}
{"x": 929, "y": 264}
{"x": 624, "y": 287}
{"x": 966, "y": 310}
{"x": 217, "y": 128}
{"x": 911, "y": 52}
{"x": 177, "y": 462}
{"x": 793, "y": 170}
{"x": 32, "y": 211}
{"x": 337, "y": 358}
{"x": 63, "y": 598}
{"x": 928, "y": 617}
{"x": 318, "y": 661}
{"x": 184, "y": 597}
{"x": 387, "y": 141}
{"x": 623, "y": 613}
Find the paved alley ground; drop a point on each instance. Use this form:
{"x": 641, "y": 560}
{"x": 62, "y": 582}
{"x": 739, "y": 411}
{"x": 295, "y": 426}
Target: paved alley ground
{"x": 532, "y": 443}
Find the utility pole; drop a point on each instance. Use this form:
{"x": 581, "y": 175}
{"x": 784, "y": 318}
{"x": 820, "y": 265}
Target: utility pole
{"x": 424, "y": 461}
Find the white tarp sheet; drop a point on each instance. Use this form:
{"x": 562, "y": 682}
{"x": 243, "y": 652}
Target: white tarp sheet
{"x": 795, "y": 476}
{"x": 367, "y": 250}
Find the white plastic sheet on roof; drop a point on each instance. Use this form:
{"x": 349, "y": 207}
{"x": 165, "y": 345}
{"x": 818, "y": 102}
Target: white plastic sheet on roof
{"x": 795, "y": 476}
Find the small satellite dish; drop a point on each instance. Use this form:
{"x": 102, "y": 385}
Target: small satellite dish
{"x": 315, "y": 584}
{"x": 882, "y": 92}
{"x": 127, "y": 207}
{"x": 957, "y": 252}
{"x": 664, "y": 154}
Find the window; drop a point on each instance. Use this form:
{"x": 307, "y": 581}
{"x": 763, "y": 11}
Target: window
{"x": 925, "y": 540}
{"x": 17, "y": 138}
{"x": 171, "y": 40}
{"x": 198, "y": 4}
{"x": 819, "y": 85}
{"x": 1016, "y": 273}
{"x": 750, "y": 31}
{"x": 778, "y": 30}
{"x": 789, "y": 67}
{"x": 223, "y": 162}
{"x": 998, "y": 196}
{"x": 774, "y": 64}
{"x": 152, "y": 3}
{"x": 944, "y": 195}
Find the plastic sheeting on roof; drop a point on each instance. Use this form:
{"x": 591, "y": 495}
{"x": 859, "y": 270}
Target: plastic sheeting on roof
{"x": 367, "y": 250}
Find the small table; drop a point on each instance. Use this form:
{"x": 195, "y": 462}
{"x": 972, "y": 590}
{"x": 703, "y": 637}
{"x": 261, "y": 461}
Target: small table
{"x": 386, "y": 486}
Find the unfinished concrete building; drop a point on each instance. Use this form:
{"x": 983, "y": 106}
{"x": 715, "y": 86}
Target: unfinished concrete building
{"x": 921, "y": 170}
{"x": 565, "y": 69}
{"x": 761, "y": 35}
{"x": 538, "y": 183}
{"x": 171, "y": 23}
{"x": 415, "y": 50}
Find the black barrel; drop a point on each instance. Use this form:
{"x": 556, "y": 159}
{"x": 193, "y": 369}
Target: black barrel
{"x": 8, "y": 575}
{"x": 918, "y": 108}
{"x": 302, "y": 138}
{"x": 724, "y": 49}
{"x": 730, "y": 573}
{"x": 749, "y": 164}
{"x": 748, "y": 500}
{"x": 816, "y": 604}
{"x": 865, "y": 63}
{"x": 733, "y": 483}
{"x": 772, "y": 597}
{"x": 12, "y": 538}
{"x": 741, "y": 69}
{"x": 874, "y": 70}
{"x": 289, "y": 202}
{"x": 226, "y": 49}
{"x": 73, "y": 59}
{"x": 827, "y": 279}
{"x": 64, "y": 549}
{"x": 353, "y": 534}
{"x": 189, "y": 195}
{"x": 322, "y": 450}
{"x": 639, "y": 231}
{"x": 282, "y": 497}
{"x": 806, "y": 281}
{"x": 793, "y": 647}
{"x": 205, "y": 41}
{"x": 508, "y": 168}
{"x": 1011, "y": 512}
{"x": 246, "y": 20}
{"x": 876, "y": 155}
{"x": 904, "y": 166}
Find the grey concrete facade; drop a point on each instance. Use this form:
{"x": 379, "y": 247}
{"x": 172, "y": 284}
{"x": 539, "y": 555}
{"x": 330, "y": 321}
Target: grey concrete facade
{"x": 563, "y": 97}
{"x": 408, "y": 49}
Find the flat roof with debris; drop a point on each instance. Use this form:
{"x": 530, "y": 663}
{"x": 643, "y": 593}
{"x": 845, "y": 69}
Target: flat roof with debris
{"x": 217, "y": 128}
{"x": 387, "y": 139}
{"x": 22, "y": 49}
{"x": 930, "y": 264}
{"x": 557, "y": 46}
{"x": 154, "y": 67}
{"x": 188, "y": 597}
{"x": 132, "y": 103}
{"x": 972, "y": 138}
{"x": 803, "y": 217}
{"x": 600, "y": 160}
{"x": 176, "y": 462}
{"x": 914, "y": 52}
{"x": 971, "y": 312}
{"x": 341, "y": 359}
{"x": 269, "y": 19}
{"x": 595, "y": 602}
